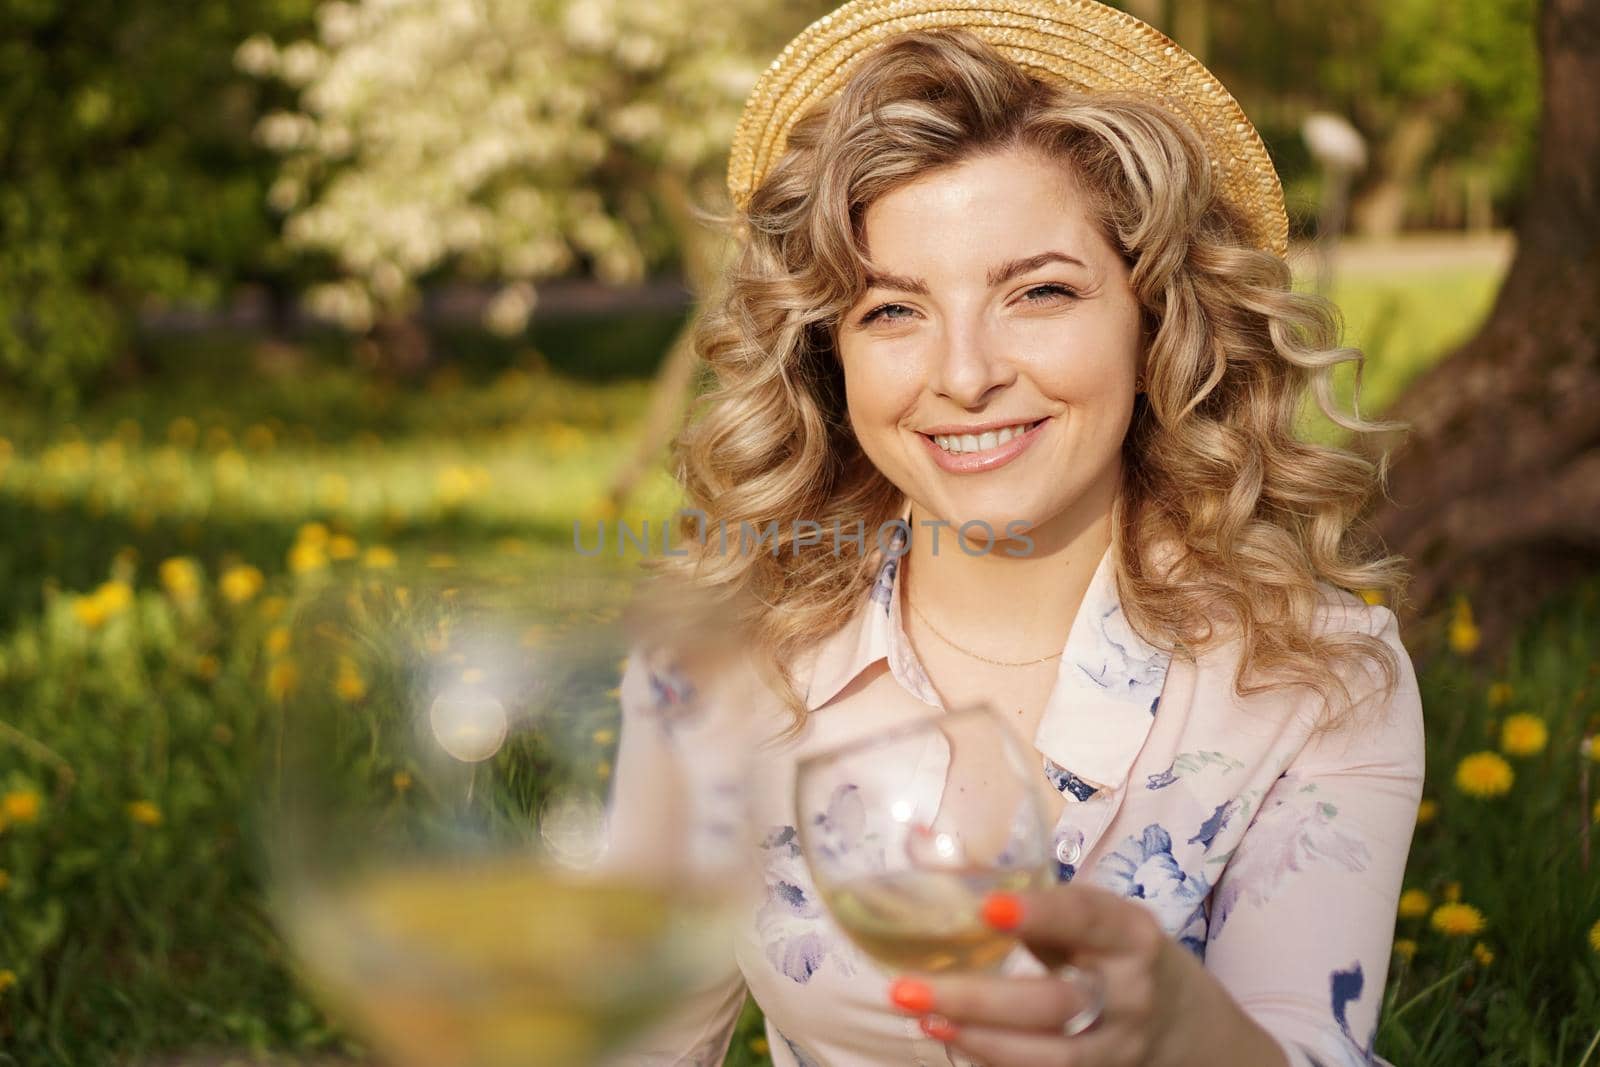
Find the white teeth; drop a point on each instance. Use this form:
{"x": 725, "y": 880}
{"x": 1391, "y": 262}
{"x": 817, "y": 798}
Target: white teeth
{"x": 966, "y": 442}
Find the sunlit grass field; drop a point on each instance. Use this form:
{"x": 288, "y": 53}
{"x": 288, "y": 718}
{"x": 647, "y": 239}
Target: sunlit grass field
{"x": 148, "y": 551}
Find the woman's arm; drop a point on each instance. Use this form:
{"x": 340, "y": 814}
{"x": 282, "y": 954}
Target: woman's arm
{"x": 1302, "y": 919}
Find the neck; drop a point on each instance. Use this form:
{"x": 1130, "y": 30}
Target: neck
{"x": 1001, "y": 605}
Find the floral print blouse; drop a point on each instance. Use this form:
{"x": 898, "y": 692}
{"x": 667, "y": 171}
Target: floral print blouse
{"x": 1274, "y": 855}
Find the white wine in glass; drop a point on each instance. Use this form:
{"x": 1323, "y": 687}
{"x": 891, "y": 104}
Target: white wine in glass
{"x": 441, "y": 850}
{"x": 907, "y": 831}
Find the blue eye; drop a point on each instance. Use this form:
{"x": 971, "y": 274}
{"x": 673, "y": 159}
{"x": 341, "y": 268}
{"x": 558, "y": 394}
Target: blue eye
{"x": 1051, "y": 288}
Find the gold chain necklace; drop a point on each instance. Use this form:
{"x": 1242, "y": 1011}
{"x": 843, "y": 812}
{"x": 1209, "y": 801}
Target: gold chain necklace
{"x": 968, "y": 651}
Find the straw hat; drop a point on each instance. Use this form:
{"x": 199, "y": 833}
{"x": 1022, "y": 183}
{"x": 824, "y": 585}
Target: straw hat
{"x": 1085, "y": 44}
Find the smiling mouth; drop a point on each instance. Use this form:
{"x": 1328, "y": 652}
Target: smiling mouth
{"x": 967, "y": 443}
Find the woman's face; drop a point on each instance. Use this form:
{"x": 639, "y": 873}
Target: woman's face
{"x": 989, "y": 370}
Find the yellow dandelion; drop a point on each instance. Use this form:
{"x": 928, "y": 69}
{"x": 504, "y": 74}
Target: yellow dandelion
{"x": 1457, "y": 920}
{"x": 1589, "y": 747}
{"x": 348, "y": 684}
{"x": 115, "y": 595}
{"x": 144, "y": 813}
{"x": 1499, "y": 694}
{"x": 401, "y": 781}
{"x": 278, "y": 639}
{"x": 379, "y": 557}
{"x": 109, "y": 600}
{"x": 8, "y": 978}
{"x": 240, "y": 583}
{"x": 342, "y": 546}
{"x": 20, "y": 806}
{"x": 1427, "y": 811}
{"x": 1523, "y": 735}
{"x": 1483, "y": 954}
{"x": 180, "y": 576}
{"x": 604, "y": 737}
{"x": 312, "y": 533}
{"x": 1594, "y": 937}
{"x": 89, "y": 611}
{"x": 1484, "y": 774}
{"x": 1414, "y": 904}
{"x": 306, "y": 557}
{"x": 1464, "y": 633}
{"x": 282, "y": 678}
{"x": 1372, "y": 596}
{"x": 1405, "y": 948}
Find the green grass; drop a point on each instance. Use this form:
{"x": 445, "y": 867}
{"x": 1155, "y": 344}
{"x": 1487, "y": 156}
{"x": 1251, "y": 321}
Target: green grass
{"x": 130, "y": 941}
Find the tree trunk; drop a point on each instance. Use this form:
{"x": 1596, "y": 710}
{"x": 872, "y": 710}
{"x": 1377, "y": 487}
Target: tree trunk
{"x": 1496, "y": 492}
{"x": 397, "y": 345}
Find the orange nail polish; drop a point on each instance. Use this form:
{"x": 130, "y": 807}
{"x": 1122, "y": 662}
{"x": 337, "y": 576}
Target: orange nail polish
{"x": 938, "y": 1027}
{"x": 912, "y": 995}
{"x": 1003, "y": 911}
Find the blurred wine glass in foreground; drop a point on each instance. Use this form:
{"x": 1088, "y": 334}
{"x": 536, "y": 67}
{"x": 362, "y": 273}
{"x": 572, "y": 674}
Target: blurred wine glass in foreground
{"x": 906, "y": 831}
{"x": 439, "y": 845}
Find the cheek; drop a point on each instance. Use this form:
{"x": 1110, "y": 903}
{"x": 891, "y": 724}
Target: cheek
{"x": 879, "y": 392}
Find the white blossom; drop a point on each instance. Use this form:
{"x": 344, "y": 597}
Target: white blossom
{"x": 256, "y": 56}
{"x": 472, "y": 133}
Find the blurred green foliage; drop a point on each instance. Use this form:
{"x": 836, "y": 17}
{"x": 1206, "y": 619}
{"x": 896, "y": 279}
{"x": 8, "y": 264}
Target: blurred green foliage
{"x": 129, "y": 173}
{"x": 131, "y": 179}
{"x": 1468, "y": 68}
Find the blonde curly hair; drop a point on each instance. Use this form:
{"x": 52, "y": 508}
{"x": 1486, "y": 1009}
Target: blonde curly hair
{"x": 1212, "y": 463}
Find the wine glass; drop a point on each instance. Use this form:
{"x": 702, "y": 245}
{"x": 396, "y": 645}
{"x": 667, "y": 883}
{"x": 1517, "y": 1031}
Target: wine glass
{"x": 440, "y": 852}
{"x": 907, "y": 830}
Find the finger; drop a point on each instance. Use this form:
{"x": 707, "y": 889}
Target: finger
{"x": 1022, "y": 1003}
{"x": 1074, "y": 918}
{"x": 998, "y": 1047}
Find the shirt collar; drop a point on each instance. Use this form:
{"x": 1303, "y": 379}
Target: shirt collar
{"x": 1108, "y": 681}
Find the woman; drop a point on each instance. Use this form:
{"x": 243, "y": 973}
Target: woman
{"x": 1051, "y": 332}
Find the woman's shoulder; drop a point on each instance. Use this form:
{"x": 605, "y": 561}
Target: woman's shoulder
{"x": 1339, "y": 611}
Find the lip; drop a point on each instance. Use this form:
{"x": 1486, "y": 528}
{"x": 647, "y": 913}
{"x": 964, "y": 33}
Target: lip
{"x": 973, "y": 462}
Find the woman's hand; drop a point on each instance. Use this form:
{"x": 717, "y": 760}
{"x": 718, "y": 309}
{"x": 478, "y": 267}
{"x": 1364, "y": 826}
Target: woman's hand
{"x": 1161, "y": 1008}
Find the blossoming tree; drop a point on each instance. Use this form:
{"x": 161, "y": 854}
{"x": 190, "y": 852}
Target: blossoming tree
{"x": 511, "y": 140}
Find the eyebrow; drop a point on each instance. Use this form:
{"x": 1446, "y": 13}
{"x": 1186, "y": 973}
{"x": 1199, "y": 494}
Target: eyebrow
{"x": 997, "y": 275}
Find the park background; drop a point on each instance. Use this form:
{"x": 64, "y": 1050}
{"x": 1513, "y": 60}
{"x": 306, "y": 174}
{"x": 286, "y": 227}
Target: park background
{"x": 290, "y": 287}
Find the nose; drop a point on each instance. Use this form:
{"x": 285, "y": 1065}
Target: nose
{"x": 970, "y": 365}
